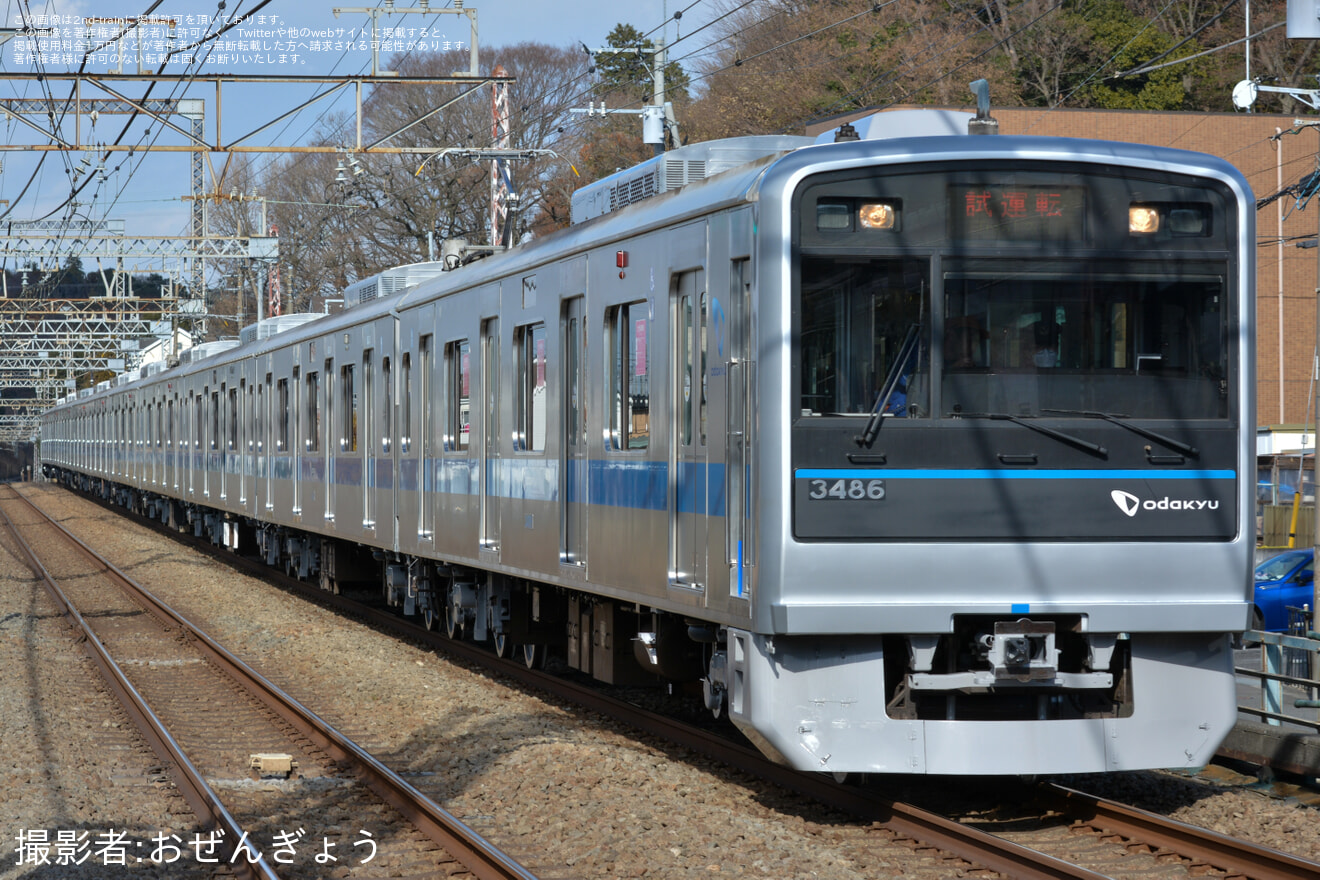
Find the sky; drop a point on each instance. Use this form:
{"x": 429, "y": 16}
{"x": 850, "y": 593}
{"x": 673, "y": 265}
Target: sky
{"x": 149, "y": 199}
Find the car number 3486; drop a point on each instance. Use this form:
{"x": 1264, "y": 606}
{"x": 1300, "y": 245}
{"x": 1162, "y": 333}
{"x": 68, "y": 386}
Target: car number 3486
{"x": 847, "y": 490}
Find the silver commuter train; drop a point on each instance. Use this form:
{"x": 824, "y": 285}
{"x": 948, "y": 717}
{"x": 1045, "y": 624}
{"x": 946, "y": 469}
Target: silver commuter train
{"x": 924, "y": 455}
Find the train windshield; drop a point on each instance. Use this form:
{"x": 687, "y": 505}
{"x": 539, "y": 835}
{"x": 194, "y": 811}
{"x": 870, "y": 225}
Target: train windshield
{"x": 1055, "y": 341}
{"x": 1026, "y": 293}
{"x": 1144, "y": 343}
{"x": 856, "y": 316}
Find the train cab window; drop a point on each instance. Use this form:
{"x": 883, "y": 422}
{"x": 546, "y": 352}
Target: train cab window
{"x": 530, "y": 344}
{"x": 627, "y": 331}
{"x": 458, "y": 382}
{"x": 348, "y": 441}
{"x": 865, "y": 336}
{"x": 313, "y": 398}
{"x": 1148, "y": 342}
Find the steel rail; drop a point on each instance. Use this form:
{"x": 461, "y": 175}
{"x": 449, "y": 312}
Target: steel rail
{"x": 972, "y": 844}
{"x": 478, "y": 856}
{"x": 189, "y": 780}
{"x": 1214, "y": 849}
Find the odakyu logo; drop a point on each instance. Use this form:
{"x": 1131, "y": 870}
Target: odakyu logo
{"x": 1130, "y": 504}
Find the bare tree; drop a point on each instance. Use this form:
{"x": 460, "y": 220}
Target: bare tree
{"x": 448, "y": 194}
{"x": 345, "y": 216}
{"x": 779, "y": 64}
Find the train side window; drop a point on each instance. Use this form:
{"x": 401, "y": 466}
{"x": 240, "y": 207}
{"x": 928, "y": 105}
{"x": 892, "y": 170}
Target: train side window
{"x": 387, "y": 420}
{"x": 405, "y": 414}
{"x": 215, "y": 421}
{"x": 313, "y": 412}
{"x": 368, "y": 400}
{"x": 348, "y": 432}
{"x": 530, "y": 344}
{"x": 425, "y": 378}
{"x": 268, "y": 414}
{"x": 233, "y": 419}
{"x": 328, "y": 403}
{"x": 282, "y": 431}
{"x": 627, "y": 330}
{"x": 458, "y": 382}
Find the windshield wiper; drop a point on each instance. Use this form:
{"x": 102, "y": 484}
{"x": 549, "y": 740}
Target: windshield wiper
{"x": 1117, "y": 419}
{"x": 905, "y": 352}
{"x": 1093, "y": 448}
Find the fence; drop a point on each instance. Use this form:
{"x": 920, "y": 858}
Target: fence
{"x": 1277, "y": 524}
{"x": 1288, "y": 671}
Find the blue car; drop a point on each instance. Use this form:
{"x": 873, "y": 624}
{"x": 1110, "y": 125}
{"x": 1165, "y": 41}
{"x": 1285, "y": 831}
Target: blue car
{"x": 1281, "y": 581}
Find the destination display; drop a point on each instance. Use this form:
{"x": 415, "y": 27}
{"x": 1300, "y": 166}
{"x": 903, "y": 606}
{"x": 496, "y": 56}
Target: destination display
{"x": 982, "y": 212}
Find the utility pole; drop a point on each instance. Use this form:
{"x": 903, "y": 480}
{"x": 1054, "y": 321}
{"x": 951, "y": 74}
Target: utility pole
{"x": 1304, "y": 24}
{"x": 499, "y": 241}
{"x": 388, "y": 8}
{"x": 656, "y": 116}
{"x": 501, "y": 185}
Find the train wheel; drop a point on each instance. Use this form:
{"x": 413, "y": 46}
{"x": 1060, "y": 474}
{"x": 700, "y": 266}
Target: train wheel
{"x": 503, "y": 645}
{"x": 532, "y": 656}
{"x": 428, "y": 617}
{"x": 328, "y": 583}
{"x": 453, "y": 625}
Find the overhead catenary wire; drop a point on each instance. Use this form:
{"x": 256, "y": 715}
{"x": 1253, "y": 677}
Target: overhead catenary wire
{"x": 179, "y": 86}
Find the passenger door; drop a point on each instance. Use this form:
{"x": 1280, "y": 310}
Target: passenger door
{"x": 370, "y": 455}
{"x": 490, "y": 434}
{"x": 574, "y": 461}
{"x": 738, "y": 448}
{"x": 427, "y": 404}
{"x": 688, "y": 458}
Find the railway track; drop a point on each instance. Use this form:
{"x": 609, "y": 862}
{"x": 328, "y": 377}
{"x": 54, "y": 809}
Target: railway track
{"x": 318, "y": 800}
{"x": 1069, "y": 834}
{"x": 1125, "y": 832}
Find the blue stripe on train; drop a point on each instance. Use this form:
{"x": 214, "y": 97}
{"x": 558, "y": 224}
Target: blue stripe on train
{"x": 953, "y": 474}
{"x": 631, "y": 484}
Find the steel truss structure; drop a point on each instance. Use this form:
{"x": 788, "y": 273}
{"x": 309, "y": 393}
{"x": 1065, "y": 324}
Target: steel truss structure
{"x": 46, "y": 342}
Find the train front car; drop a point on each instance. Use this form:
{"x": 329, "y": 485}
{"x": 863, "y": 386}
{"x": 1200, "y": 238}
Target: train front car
{"x": 1006, "y": 527}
